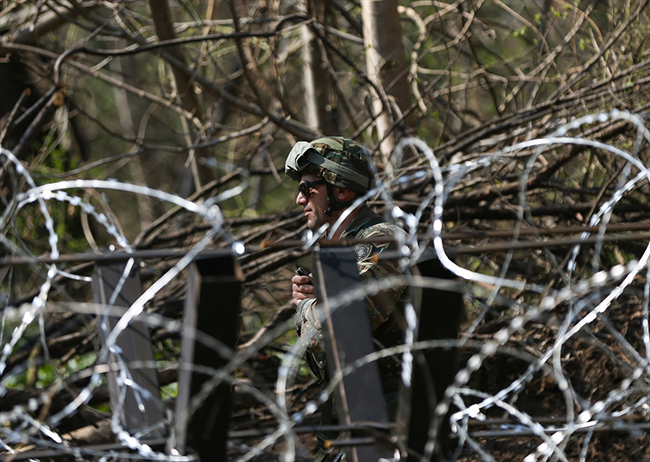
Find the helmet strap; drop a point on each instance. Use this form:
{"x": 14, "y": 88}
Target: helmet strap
{"x": 333, "y": 203}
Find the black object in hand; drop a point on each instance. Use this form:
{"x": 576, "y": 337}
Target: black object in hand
{"x": 300, "y": 271}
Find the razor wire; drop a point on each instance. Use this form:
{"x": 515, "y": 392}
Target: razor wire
{"x": 582, "y": 299}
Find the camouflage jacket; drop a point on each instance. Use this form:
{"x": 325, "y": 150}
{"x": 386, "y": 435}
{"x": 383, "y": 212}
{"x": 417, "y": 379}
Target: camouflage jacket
{"x": 385, "y": 308}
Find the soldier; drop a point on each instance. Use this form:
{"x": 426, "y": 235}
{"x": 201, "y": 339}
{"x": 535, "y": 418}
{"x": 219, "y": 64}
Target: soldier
{"x": 332, "y": 173}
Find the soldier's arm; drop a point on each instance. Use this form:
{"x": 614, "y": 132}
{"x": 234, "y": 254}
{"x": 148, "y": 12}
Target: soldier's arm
{"x": 383, "y": 304}
{"x": 307, "y": 324}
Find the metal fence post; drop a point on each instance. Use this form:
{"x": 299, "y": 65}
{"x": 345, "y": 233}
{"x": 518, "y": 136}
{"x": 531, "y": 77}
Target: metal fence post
{"x": 138, "y": 410}
{"x": 439, "y": 315}
{"x": 348, "y": 337}
{"x": 212, "y": 307}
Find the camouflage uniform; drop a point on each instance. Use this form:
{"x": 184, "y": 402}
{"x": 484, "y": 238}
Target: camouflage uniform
{"x": 385, "y": 309}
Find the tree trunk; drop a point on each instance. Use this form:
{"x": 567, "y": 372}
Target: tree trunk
{"x": 318, "y": 110}
{"x": 386, "y": 67}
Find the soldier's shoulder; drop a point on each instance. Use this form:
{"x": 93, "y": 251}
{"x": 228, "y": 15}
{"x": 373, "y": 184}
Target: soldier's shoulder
{"x": 384, "y": 228}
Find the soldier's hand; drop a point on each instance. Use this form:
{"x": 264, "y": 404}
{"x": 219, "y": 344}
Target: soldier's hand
{"x": 302, "y": 288}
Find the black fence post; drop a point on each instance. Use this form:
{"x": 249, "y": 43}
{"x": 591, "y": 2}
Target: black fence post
{"x": 212, "y": 307}
{"x": 439, "y": 316}
{"x": 138, "y": 411}
{"x": 348, "y": 337}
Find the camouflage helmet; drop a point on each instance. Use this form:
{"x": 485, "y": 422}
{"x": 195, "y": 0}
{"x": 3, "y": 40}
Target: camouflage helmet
{"x": 339, "y": 161}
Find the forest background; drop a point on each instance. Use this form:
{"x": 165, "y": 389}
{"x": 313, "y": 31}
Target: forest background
{"x": 203, "y": 100}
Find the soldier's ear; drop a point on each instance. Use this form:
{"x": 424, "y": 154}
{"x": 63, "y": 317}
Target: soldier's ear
{"x": 343, "y": 194}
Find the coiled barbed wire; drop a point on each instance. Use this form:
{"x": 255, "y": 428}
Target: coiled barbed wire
{"x": 583, "y": 298}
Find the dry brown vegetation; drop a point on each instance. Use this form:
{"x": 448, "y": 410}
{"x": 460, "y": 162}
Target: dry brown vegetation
{"x": 202, "y": 100}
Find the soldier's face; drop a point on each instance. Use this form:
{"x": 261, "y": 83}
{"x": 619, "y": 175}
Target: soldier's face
{"x": 316, "y": 205}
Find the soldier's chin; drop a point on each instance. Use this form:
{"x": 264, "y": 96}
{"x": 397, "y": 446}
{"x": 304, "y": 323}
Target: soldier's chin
{"x": 311, "y": 224}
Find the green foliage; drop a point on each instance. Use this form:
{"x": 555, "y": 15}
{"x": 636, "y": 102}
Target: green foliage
{"x": 46, "y": 375}
{"x": 519, "y": 32}
{"x": 43, "y": 375}
{"x": 169, "y": 391}
{"x": 560, "y": 14}
{"x": 81, "y": 362}
{"x": 105, "y": 408}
